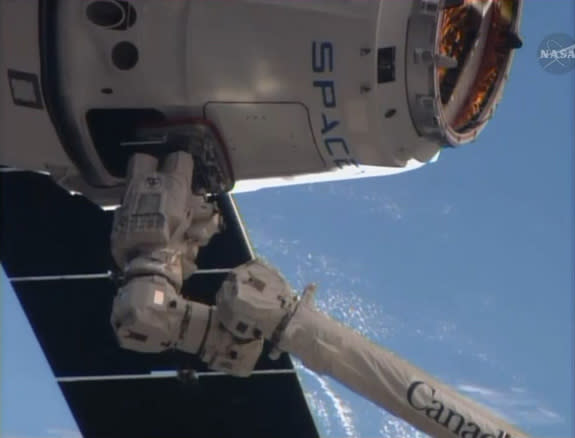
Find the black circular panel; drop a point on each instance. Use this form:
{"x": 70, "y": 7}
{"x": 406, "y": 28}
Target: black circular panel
{"x": 125, "y": 55}
{"x": 105, "y": 13}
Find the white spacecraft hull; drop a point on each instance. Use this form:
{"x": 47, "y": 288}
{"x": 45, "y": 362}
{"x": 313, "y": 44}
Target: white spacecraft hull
{"x": 284, "y": 82}
{"x": 298, "y": 91}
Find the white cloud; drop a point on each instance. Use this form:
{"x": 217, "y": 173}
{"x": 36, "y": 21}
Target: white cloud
{"x": 343, "y": 412}
{"x": 518, "y": 390}
{"x": 446, "y": 209}
{"x": 549, "y": 414}
{"x": 473, "y": 389}
{"x": 320, "y": 410}
{"x": 516, "y": 404}
{"x": 392, "y": 427}
{"x": 374, "y": 201}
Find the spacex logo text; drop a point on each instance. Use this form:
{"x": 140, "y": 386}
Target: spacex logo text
{"x": 447, "y": 417}
{"x": 322, "y": 61}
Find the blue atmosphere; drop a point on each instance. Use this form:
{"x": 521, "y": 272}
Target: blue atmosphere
{"x": 463, "y": 267}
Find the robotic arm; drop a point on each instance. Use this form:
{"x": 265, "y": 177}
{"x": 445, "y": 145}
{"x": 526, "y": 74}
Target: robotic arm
{"x": 256, "y": 295}
{"x": 156, "y": 236}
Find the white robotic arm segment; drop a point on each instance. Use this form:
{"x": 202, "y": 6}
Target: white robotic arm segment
{"x": 223, "y": 351}
{"x": 206, "y": 221}
{"x": 251, "y": 304}
{"x": 148, "y": 229}
{"x": 328, "y": 347}
{"x": 148, "y": 316}
{"x": 255, "y": 300}
{"x": 156, "y": 231}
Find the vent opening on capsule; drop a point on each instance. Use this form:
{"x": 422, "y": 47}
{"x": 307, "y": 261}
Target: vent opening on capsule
{"x": 386, "y": 65}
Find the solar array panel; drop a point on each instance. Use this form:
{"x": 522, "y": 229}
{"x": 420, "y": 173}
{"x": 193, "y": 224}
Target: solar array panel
{"x": 55, "y": 249}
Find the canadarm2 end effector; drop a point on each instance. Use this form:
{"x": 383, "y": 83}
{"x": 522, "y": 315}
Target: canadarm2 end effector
{"x": 156, "y": 236}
